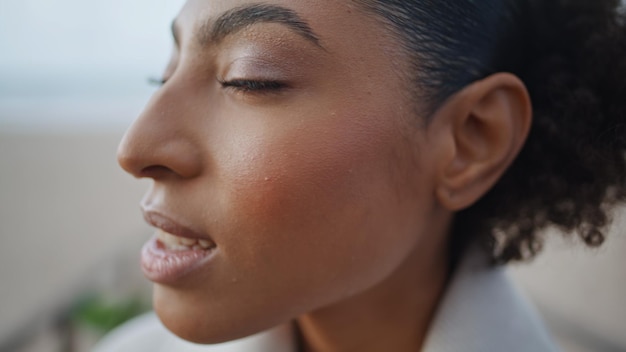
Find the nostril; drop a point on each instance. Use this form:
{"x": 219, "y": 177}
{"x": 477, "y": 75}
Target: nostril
{"x": 155, "y": 171}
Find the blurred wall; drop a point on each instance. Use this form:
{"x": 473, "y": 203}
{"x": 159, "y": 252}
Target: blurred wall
{"x": 65, "y": 208}
{"x": 581, "y": 292}
{"x": 73, "y": 76}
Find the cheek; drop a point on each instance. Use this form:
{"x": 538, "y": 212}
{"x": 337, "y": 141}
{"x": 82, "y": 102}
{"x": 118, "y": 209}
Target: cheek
{"x": 298, "y": 171}
{"x": 288, "y": 174}
{"x": 310, "y": 206}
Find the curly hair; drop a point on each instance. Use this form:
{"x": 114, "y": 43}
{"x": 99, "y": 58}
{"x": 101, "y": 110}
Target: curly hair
{"x": 571, "y": 54}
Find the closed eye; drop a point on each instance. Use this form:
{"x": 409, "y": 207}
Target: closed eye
{"x": 155, "y": 81}
{"x": 245, "y": 85}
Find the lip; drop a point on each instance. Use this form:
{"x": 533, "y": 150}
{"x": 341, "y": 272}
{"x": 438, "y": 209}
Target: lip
{"x": 168, "y": 267}
{"x": 165, "y": 266}
{"x": 168, "y": 225}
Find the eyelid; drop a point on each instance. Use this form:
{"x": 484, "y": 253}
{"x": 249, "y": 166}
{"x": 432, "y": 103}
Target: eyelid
{"x": 254, "y": 85}
{"x": 157, "y": 81}
{"x": 169, "y": 70}
{"x": 257, "y": 68}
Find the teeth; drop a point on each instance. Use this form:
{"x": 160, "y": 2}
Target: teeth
{"x": 176, "y": 243}
{"x": 186, "y": 241}
{"x": 204, "y": 244}
{"x": 167, "y": 239}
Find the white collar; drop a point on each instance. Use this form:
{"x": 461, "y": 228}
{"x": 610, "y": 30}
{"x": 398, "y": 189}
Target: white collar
{"x": 481, "y": 311}
{"x": 147, "y": 334}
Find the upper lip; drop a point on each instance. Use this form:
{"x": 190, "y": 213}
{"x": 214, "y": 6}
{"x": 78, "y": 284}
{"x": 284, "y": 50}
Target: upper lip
{"x": 168, "y": 225}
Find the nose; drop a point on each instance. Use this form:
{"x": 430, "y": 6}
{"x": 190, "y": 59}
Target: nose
{"x": 160, "y": 144}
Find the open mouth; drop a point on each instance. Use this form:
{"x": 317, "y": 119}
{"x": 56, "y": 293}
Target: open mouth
{"x": 179, "y": 244}
{"x": 175, "y": 251}
{"x": 167, "y": 258}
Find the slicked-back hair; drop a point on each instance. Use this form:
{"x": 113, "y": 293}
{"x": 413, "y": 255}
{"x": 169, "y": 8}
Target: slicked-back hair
{"x": 454, "y": 43}
{"x": 571, "y": 55}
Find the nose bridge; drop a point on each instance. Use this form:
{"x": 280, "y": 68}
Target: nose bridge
{"x": 160, "y": 143}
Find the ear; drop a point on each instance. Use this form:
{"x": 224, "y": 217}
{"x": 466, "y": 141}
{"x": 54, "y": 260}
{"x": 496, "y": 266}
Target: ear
{"x": 485, "y": 126}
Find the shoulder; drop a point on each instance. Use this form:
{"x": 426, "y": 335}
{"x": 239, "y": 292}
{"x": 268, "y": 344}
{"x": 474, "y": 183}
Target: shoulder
{"x": 147, "y": 334}
{"x": 133, "y": 336}
{"x": 144, "y": 333}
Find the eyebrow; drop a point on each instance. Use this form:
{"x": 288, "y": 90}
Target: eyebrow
{"x": 239, "y": 18}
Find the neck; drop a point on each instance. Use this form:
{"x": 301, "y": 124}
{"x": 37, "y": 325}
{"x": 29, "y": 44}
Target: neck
{"x": 392, "y": 316}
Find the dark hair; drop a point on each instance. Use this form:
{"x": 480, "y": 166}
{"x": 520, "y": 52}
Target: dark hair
{"x": 571, "y": 54}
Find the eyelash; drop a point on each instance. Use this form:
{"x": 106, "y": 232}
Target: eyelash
{"x": 252, "y": 86}
{"x": 154, "y": 81}
{"x": 242, "y": 85}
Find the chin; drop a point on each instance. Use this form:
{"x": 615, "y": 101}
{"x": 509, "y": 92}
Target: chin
{"x": 198, "y": 321}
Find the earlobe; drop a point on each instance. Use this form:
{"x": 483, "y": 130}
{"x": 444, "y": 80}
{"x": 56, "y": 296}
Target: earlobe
{"x": 488, "y": 123}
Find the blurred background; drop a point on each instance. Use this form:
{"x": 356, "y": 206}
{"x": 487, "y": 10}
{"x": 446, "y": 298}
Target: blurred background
{"x": 73, "y": 76}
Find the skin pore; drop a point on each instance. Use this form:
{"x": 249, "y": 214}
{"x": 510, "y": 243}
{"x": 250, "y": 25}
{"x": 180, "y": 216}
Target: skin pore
{"x": 288, "y": 141}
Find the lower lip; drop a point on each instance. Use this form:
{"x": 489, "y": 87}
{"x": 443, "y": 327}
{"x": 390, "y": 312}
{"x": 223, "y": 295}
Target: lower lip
{"x": 165, "y": 266}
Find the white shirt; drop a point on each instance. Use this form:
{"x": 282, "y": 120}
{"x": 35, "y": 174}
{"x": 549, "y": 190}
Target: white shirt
{"x": 481, "y": 311}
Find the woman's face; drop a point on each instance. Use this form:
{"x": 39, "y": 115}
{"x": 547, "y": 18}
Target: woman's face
{"x": 284, "y": 139}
